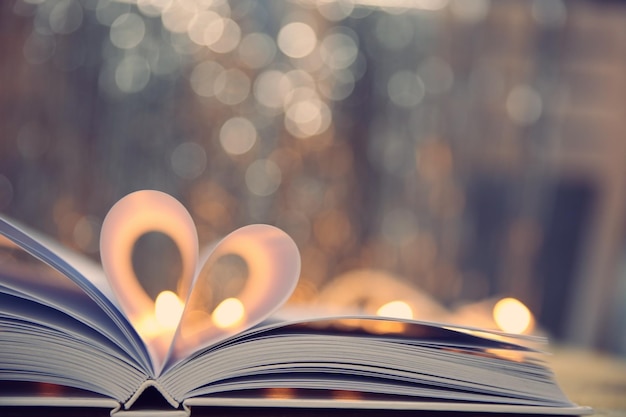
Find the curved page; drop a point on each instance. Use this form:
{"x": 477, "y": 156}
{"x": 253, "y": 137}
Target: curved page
{"x": 97, "y": 290}
{"x": 273, "y": 264}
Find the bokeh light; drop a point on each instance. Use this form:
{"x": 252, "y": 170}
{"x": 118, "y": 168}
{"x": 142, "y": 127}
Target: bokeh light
{"x": 339, "y": 50}
{"x": 228, "y": 313}
{"x": 178, "y": 16}
{"x": 168, "y": 309}
{"x": 206, "y": 28}
{"x": 337, "y": 85}
{"x": 297, "y": 39}
{"x": 396, "y": 309}
{"x": 263, "y": 177}
{"x": 271, "y": 87}
{"x": 405, "y": 89}
{"x": 66, "y": 16}
{"x": 232, "y": 86}
{"x": 415, "y": 137}
{"x": 238, "y": 135}
{"x": 109, "y": 10}
{"x": 86, "y": 232}
{"x": 307, "y": 117}
{"x": 204, "y": 76}
{"x": 524, "y": 105}
{"x": 127, "y": 31}
{"x": 229, "y": 39}
{"x": 512, "y": 316}
{"x": 132, "y": 74}
{"x": 189, "y": 160}
{"x": 257, "y": 50}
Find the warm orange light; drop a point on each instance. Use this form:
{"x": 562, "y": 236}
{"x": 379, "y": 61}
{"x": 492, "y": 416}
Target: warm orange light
{"x": 228, "y": 313}
{"x": 280, "y": 393}
{"x": 167, "y": 310}
{"x": 397, "y": 309}
{"x": 345, "y": 395}
{"x": 512, "y": 316}
{"x": 147, "y": 326}
{"x": 46, "y": 389}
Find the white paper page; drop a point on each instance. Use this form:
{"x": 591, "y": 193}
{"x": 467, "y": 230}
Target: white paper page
{"x": 21, "y": 309}
{"x": 66, "y": 361}
{"x": 364, "y": 364}
{"x": 86, "y": 268}
{"x": 273, "y": 263}
{"x": 91, "y": 289}
{"x": 56, "y": 292}
{"x": 456, "y": 362}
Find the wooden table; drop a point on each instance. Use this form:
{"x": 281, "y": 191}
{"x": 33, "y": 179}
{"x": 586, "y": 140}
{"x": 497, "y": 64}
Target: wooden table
{"x": 592, "y": 379}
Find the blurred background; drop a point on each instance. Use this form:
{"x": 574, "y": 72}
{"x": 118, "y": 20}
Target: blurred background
{"x": 439, "y": 153}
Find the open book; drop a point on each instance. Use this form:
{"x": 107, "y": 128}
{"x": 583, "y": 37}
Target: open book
{"x": 93, "y": 337}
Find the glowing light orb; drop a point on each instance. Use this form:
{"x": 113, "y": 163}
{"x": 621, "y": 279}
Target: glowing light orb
{"x": 168, "y": 309}
{"x": 512, "y": 316}
{"x": 228, "y": 313}
{"x": 297, "y": 39}
{"x": 397, "y": 309}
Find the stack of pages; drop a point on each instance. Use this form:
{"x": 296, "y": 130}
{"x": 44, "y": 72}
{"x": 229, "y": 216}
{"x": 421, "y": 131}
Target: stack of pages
{"x": 94, "y": 335}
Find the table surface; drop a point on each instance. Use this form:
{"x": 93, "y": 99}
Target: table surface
{"x": 593, "y": 379}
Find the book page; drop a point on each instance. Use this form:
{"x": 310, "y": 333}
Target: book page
{"x": 53, "y": 252}
{"x": 52, "y": 290}
{"x": 370, "y": 354}
{"x": 273, "y": 264}
{"x": 36, "y": 353}
{"x": 70, "y": 290}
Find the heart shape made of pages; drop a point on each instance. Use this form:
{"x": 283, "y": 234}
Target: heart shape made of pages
{"x": 271, "y": 257}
